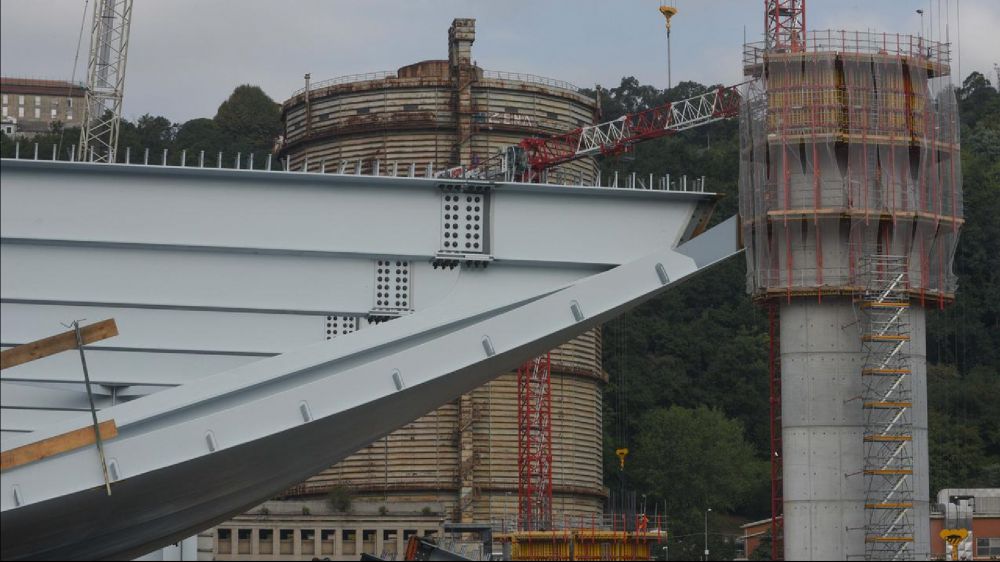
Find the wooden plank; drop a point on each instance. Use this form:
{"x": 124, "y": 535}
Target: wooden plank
{"x": 54, "y": 445}
{"x": 60, "y": 342}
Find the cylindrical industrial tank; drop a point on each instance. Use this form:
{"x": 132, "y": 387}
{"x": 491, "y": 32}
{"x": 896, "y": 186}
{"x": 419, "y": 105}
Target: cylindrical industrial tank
{"x": 460, "y": 461}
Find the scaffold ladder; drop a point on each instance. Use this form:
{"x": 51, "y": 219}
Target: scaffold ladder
{"x": 888, "y": 403}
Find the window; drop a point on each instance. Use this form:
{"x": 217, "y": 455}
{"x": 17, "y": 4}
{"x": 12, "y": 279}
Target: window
{"x": 243, "y": 541}
{"x": 20, "y": 111}
{"x": 307, "y": 538}
{"x": 69, "y": 115}
{"x": 223, "y": 541}
{"x": 987, "y": 547}
{"x": 38, "y": 113}
{"x": 510, "y": 109}
{"x": 389, "y": 543}
{"x": 327, "y": 538}
{"x": 69, "y": 102}
{"x": 368, "y": 541}
{"x": 5, "y": 111}
{"x": 349, "y": 541}
{"x": 20, "y": 100}
{"x": 286, "y": 539}
{"x": 265, "y": 541}
{"x": 38, "y": 100}
{"x": 5, "y": 99}
{"x": 53, "y": 113}
{"x": 363, "y": 110}
{"x": 410, "y": 107}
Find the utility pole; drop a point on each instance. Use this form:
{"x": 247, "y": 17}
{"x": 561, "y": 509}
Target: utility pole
{"x": 102, "y": 111}
{"x": 706, "y": 532}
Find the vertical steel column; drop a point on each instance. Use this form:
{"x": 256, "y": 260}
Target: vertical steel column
{"x": 774, "y": 378}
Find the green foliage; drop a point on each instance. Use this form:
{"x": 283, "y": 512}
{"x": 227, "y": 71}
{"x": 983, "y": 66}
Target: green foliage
{"x": 695, "y": 458}
{"x": 250, "y": 119}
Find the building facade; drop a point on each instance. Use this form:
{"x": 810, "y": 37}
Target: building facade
{"x": 37, "y": 105}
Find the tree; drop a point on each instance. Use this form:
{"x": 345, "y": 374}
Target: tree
{"x": 250, "y": 119}
{"x": 693, "y": 459}
{"x": 201, "y": 134}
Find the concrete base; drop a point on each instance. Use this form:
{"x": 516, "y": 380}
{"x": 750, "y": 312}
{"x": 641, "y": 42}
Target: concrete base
{"x": 823, "y": 426}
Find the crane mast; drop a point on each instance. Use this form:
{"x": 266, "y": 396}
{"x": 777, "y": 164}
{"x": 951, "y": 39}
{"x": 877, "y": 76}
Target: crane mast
{"x": 784, "y": 25}
{"x": 105, "y": 80}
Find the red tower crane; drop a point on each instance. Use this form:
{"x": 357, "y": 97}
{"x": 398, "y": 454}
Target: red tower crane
{"x": 527, "y": 160}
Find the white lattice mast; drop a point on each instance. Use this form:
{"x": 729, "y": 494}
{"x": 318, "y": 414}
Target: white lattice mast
{"x": 105, "y": 79}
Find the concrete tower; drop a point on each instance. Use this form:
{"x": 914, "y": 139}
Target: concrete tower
{"x": 851, "y": 200}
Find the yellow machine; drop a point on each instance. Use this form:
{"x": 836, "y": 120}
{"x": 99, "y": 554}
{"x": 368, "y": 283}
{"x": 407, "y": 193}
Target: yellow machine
{"x": 954, "y": 537}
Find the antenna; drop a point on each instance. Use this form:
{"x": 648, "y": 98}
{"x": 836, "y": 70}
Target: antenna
{"x": 105, "y": 79}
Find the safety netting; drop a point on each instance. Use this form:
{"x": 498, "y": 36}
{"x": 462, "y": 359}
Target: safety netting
{"x": 849, "y": 148}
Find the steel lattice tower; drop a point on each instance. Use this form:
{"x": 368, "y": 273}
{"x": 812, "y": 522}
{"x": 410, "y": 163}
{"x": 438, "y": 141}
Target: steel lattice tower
{"x": 534, "y": 445}
{"x": 105, "y": 80}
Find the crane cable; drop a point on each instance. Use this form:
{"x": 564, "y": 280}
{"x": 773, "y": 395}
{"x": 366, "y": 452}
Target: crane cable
{"x": 76, "y": 62}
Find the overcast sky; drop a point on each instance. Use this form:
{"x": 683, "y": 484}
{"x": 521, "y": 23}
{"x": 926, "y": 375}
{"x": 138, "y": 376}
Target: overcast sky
{"x": 186, "y": 56}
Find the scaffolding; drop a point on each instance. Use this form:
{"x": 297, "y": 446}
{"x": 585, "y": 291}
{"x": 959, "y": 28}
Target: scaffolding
{"x": 534, "y": 445}
{"x": 888, "y": 404}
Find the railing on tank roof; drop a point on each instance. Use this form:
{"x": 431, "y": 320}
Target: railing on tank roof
{"x": 347, "y": 79}
{"x": 530, "y": 78}
{"x": 491, "y": 74}
{"x": 870, "y": 42}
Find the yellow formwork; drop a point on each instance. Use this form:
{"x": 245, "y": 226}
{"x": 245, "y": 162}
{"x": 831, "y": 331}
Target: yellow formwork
{"x": 583, "y": 544}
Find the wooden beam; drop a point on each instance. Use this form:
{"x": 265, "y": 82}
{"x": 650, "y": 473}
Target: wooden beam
{"x": 54, "y": 445}
{"x": 60, "y": 342}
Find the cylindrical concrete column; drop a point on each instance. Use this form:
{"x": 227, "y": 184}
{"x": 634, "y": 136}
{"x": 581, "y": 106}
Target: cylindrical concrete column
{"x": 823, "y": 425}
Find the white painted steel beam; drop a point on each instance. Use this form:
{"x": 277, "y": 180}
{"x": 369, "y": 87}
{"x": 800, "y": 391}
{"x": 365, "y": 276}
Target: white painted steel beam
{"x": 198, "y": 303}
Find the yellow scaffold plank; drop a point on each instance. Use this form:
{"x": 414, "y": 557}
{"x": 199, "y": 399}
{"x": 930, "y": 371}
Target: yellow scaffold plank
{"x": 888, "y": 438}
{"x": 885, "y": 372}
{"x": 888, "y": 539}
{"x": 888, "y": 404}
{"x": 897, "y": 505}
{"x": 883, "y": 304}
{"x": 885, "y": 337}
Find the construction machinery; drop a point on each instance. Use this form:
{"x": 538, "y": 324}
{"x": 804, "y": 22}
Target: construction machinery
{"x": 528, "y": 160}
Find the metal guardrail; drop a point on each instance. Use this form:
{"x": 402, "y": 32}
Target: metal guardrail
{"x": 530, "y": 78}
{"x": 346, "y": 79}
{"x": 490, "y": 74}
{"x": 870, "y": 42}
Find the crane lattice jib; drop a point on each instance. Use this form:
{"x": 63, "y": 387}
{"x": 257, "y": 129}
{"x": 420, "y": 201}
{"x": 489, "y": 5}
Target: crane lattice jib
{"x": 617, "y": 136}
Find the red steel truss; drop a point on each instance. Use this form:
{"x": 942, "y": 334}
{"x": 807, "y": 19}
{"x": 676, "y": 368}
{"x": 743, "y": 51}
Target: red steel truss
{"x": 785, "y": 24}
{"x": 774, "y": 376}
{"x": 534, "y": 445}
{"x": 615, "y": 137}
